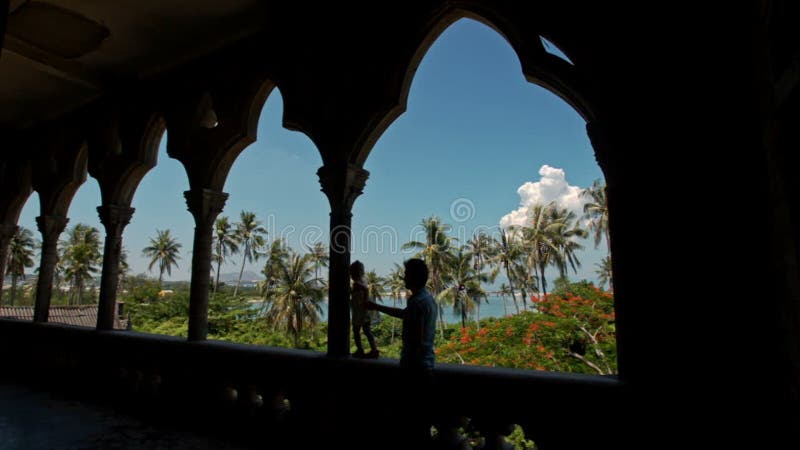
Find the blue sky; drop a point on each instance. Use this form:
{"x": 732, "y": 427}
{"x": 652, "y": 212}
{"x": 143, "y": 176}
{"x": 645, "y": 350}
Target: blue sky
{"x": 474, "y": 133}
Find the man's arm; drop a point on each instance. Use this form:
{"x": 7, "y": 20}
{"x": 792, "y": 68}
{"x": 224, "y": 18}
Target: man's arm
{"x": 394, "y": 312}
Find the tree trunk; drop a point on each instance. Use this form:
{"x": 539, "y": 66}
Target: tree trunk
{"x": 505, "y": 308}
{"x": 13, "y": 289}
{"x": 511, "y": 286}
{"x": 435, "y": 283}
{"x": 394, "y": 304}
{"x": 479, "y": 312}
{"x": 241, "y": 271}
{"x": 463, "y": 311}
{"x": 299, "y": 315}
{"x": 544, "y": 281}
{"x": 441, "y": 320}
{"x": 79, "y": 285}
{"x": 216, "y": 280}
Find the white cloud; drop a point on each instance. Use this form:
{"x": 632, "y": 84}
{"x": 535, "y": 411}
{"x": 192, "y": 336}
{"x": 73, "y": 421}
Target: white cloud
{"x": 552, "y": 186}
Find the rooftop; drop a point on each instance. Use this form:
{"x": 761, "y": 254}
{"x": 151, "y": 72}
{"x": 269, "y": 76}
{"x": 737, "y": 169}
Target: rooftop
{"x": 80, "y": 315}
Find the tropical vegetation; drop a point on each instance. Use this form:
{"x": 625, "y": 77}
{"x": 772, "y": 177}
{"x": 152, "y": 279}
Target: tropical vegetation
{"x": 568, "y": 326}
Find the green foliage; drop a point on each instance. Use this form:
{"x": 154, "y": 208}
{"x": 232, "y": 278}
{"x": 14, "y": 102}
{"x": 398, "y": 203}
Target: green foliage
{"x": 518, "y": 440}
{"x": 231, "y": 319}
{"x": 151, "y": 313}
{"x": 80, "y": 258}
{"x": 383, "y": 337}
{"x": 571, "y": 330}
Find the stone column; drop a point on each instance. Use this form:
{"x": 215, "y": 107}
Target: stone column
{"x": 114, "y": 218}
{"x": 342, "y": 184}
{"x": 205, "y": 205}
{"x": 51, "y": 228}
{"x": 7, "y": 231}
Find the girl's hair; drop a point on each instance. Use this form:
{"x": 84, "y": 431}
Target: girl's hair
{"x": 357, "y": 267}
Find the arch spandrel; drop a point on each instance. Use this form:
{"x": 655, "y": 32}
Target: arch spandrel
{"x": 208, "y": 148}
{"x": 123, "y": 147}
{"x": 59, "y": 168}
{"x": 15, "y": 189}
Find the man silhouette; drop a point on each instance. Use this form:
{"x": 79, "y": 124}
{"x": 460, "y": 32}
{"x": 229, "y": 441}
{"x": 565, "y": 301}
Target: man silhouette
{"x": 417, "y": 356}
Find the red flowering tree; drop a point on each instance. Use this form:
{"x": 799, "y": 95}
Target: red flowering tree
{"x": 570, "y": 330}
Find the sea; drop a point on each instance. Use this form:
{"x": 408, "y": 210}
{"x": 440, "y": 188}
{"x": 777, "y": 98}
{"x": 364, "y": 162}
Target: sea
{"x": 494, "y": 308}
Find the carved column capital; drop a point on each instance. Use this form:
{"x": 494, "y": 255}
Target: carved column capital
{"x": 51, "y": 226}
{"x": 114, "y": 218}
{"x": 205, "y": 205}
{"x": 342, "y": 184}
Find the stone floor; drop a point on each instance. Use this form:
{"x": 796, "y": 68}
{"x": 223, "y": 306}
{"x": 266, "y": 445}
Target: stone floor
{"x": 31, "y": 419}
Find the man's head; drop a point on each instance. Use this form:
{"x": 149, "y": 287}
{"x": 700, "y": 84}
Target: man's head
{"x": 356, "y": 270}
{"x": 416, "y": 274}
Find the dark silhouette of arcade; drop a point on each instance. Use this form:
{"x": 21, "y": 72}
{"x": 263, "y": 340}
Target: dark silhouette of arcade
{"x": 695, "y": 108}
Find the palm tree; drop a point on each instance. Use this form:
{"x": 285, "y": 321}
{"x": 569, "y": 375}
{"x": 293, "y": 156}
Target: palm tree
{"x": 250, "y": 234}
{"x": 596, "y": 210}
{"x": 296, "y": 299}
{"x": 319, "y": 255}
{"x": 604, "y": 273}
{"x": 506, "y": 252}
{"x": 374, "y": 286}
{"x": 225, "y": 244}
{"x": 435, "y": 251}
{"x": 505, "y": 290}
{"x": 164, "y": 250}
{"x": 548, "y": 236}
{"x": 537, "y": 239}
{"x": 81, "y": 256}
{"x": 526, "y": 278}
{"x": 481, "y": 247}
{"x": 20, "y": 256}
{"x": 397, "y": 284}
{"x": 464, "y": 285}
{"x": 568, "y": 228}
{"x": 276, "y": 257}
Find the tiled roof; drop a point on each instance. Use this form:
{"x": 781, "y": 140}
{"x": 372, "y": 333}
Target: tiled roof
{"x": 82, "y": 316}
